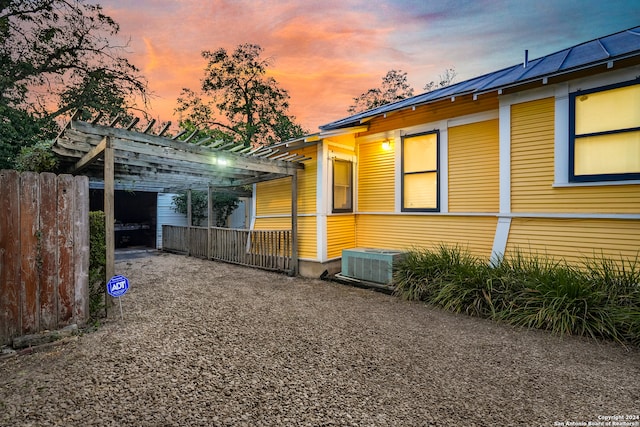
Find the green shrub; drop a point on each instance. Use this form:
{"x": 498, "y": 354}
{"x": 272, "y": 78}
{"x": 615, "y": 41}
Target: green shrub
{"x": 97, "y": 264}
{"x": 600, "y": 299}
{"x": 37, "y": 158}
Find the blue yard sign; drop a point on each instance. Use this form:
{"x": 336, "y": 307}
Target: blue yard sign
{"x": 117, "y": 286}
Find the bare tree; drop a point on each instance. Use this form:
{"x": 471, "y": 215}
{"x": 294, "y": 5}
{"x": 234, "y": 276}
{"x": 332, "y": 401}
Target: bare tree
{"x": 445, "y": 79}
{"x": 394, "y": 88}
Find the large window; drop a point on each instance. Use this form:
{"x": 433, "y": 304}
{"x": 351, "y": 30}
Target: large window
{"x": 420, "y": 176}
{"x": 342, "y": 186}
{"x": 604, "y": 134}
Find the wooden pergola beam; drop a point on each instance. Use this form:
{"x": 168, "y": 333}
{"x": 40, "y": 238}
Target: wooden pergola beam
{"x": 158, "y": 143}
{"x": 90, "y": 157}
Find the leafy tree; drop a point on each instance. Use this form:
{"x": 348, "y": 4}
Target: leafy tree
{"x": 239, "y": 100}
{"x": 57, "y": 56}
{"x": 445, "y": 79}
{"x": 394, "y": 88}
{"x": 19, "y": 128}
{"x": 223, "y": 205}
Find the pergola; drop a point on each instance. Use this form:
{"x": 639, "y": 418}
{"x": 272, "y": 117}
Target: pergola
{"x": 128, "y": 159}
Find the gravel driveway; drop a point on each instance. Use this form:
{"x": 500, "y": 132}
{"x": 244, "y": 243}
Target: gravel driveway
{"x": 206, "y": 344}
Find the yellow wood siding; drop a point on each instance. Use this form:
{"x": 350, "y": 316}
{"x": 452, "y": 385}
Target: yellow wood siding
{"x": 341, "y": 230}
{"x": 532, "y": 170}
{"x": 307, "y": 180}
{"x": 474, "y": 175}
{"x": 342, "y": 150}
{"x": 273, "y": 223}
{"x": 474, "y": 233}
{"x": 375, "y": 178}
{"x": 442, "y": 110}
{"x": 343, "y": 140}
{"x": 307, "y": 236}
{"x": 273, "y": 205}
{"x": 575, "y": 239}
{"x": 274, "y": 197}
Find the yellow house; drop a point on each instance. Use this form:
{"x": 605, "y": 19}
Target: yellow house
{"x": 540, "y": 157}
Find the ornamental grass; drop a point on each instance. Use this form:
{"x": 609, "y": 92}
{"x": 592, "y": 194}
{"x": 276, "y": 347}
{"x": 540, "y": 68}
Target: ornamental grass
{"x": 599, "y": 298}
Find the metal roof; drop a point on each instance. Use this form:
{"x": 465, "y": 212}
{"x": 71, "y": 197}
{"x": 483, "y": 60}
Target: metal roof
{"x": 624, "y": 44}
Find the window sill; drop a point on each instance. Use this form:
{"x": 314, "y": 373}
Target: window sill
{"x": 594, "y": 184}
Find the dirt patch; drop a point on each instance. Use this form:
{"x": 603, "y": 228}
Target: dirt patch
{"x": 205, "y": 343}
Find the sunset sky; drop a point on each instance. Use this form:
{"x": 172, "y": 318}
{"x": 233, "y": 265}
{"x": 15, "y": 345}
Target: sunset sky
{"x": 327, "y": 52}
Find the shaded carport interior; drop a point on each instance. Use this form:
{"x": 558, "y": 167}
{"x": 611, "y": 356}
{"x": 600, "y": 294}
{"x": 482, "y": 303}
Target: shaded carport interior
{"x": 146, "y": 160}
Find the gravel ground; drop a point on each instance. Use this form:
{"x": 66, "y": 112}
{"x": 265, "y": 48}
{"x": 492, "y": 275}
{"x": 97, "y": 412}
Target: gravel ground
{"x": 210, "y": 344}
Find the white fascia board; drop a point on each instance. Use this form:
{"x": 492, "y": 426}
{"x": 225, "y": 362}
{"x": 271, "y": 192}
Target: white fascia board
{"x": 344, "y": 131}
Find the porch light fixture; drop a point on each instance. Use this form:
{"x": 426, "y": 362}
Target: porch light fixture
{"x": 386, "y": 145}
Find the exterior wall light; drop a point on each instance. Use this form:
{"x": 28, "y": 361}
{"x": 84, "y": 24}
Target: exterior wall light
{"x": 386, "y": 145}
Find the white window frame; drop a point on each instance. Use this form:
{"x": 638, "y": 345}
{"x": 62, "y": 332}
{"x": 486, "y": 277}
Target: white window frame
{"x": 336, "y": 155}
{"x": 562, "y": 117}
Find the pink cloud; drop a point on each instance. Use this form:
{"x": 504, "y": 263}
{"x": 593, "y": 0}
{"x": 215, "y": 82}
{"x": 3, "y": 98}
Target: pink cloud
{"x": 312, "y": 48}
{"x": 327, "y": 52}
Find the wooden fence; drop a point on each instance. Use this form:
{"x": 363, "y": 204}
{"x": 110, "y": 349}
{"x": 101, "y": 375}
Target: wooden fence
{"x": 268, "y": 249}
{"x": 44, "y": 252}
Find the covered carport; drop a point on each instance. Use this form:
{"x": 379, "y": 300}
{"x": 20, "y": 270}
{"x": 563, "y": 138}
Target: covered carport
{"x": 140, "y": 160}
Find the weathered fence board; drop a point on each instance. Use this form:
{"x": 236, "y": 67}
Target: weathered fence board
{"x": 29, "y": 252}
{"x": 49, "y": 251}
{"x": 44, "y": 252}
{"x": 268, "y": 249}
{"x": 198, "y": 242}
{"x": 65, "y": 248}
{"x": 81, "y": 250}
{"x": 9, "y": 256}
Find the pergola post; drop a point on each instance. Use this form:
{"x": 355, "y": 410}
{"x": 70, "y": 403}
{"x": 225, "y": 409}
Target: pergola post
{"x": 294, "y": 224}
{"x": 210, "y": 222}
{"x": 109, "y": 211}
{"x": 189, "y": 222}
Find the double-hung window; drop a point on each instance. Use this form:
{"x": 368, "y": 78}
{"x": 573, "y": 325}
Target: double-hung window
{"x": 604, "y": 134}
{"x": 420, "y": 172}
{"x": 342, "y": 186}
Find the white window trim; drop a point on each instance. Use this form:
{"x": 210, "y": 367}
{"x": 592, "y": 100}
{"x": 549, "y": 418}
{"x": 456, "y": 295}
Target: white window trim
{"x": 561, "y": 154}
{"x": 442, "y": 126}
{"x": 443, "y": 171}
{"x": 443, "y": 188}
{"x": 560, "y": 93}
{"x": 328, "y": 201}
{"x": 324, "y": 192}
